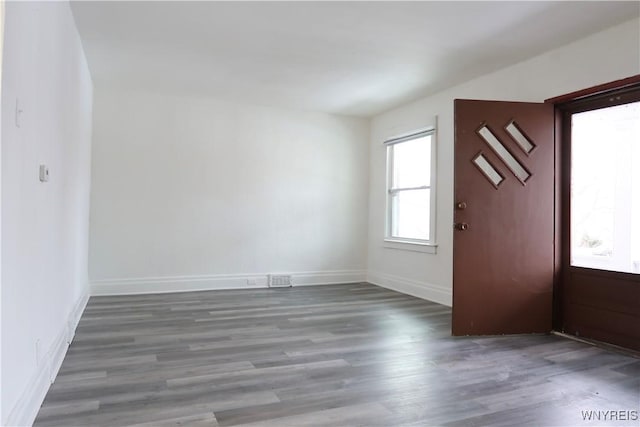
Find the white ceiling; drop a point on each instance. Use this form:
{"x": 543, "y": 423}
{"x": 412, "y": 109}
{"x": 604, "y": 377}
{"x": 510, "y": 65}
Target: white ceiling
{"x": 355, "y": 58}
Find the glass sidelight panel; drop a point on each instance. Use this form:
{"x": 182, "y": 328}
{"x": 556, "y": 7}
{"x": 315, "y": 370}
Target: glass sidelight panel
{"x": 605, "y": 188}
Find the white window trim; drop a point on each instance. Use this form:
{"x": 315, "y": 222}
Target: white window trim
{"x": 406, "y": 245}
{"x": 415, "y": 245}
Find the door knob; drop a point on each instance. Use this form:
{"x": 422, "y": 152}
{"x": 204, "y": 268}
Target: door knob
{"x": 461, "y": 205}
{"x": 461, "y": 226}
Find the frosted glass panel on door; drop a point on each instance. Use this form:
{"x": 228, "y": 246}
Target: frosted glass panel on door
{"x": 605, "y": 189}
{"x": 519, "y": 137}
{"x": 518, "y": 170}
{"x": 489, "y": 171}
{"x": 411, "y": 210}
{"x": 412, "y": 163}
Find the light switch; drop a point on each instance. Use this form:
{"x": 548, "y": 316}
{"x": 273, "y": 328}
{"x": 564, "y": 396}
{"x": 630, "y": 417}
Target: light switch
{"x": 44, "y": 173}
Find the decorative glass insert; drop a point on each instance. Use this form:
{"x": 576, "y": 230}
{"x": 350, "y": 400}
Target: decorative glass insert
{"x": 516, "y": 168}
{"x": 519, "y": 137}
{"x": 488, "y": 170}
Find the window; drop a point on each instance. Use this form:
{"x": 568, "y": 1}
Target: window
{"x": 605, "y": 188}
{"x": 410, "y": 188}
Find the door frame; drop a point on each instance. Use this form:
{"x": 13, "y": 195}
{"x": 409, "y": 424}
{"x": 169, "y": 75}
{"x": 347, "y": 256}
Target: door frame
{"x": 609, "y": 94}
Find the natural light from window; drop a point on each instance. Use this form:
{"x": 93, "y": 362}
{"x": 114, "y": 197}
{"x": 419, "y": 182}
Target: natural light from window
{"x": 410, "y": 189}
{"x": 605, "y": 189}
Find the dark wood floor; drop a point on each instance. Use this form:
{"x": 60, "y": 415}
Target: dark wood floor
{"x": 341, "y": 355}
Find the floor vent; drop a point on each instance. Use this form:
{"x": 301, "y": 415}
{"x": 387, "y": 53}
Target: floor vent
{"x": 280, "y": 281}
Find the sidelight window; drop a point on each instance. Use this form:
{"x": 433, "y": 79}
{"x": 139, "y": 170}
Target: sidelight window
{"x": 605, "y": 188}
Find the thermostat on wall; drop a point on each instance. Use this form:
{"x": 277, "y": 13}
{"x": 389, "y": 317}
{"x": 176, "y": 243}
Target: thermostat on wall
{"x": 44, "y": 173}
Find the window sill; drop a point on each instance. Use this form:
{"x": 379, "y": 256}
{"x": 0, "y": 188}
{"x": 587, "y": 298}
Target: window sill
{"x": 427, "y": 248}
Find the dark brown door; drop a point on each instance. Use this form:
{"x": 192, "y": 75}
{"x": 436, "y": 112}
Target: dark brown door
{"x": 503, "y": 246}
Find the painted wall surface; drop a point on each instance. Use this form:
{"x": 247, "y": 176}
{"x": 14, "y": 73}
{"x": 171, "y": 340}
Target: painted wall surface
{"x": 1, "y": 55}
{"x": 192, "y": 193}
{"x": 600, "y": 58}
{"x": 44, "y": 225}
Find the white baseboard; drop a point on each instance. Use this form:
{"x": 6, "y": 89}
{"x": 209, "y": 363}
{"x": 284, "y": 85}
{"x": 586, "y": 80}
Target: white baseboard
{"x": 329, "y": 277}
{"x": 26, "y": 410}
{"x": 422, "y": 290}
{"x": 152, "y": 285}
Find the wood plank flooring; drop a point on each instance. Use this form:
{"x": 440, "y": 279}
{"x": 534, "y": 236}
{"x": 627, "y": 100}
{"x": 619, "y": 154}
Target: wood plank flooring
{"x": 343, "y": 355}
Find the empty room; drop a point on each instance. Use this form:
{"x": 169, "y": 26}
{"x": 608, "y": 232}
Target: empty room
{"x": 341, "y": 213}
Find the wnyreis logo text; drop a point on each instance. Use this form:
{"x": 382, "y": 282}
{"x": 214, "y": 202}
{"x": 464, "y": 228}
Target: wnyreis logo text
{"x": 610, "y": 415}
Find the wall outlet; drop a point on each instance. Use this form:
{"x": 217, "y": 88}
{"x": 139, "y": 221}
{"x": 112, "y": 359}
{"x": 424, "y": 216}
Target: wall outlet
{"x": 44, "y": 173}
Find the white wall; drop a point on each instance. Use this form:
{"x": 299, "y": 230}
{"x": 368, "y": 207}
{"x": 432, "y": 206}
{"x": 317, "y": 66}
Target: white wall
{"x": 600, "y": 58}
{"x": 192, "y": 193}
{"x": 1, "y": 55}
{"x": 44, "y": 225}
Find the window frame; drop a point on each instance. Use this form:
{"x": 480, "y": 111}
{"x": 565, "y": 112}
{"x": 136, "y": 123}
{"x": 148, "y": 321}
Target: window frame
{"x": 565, "y": 110}
{"x": 594, "y": 262}
{"x": 404, "y": 243}
{"x": 607, "y": 294}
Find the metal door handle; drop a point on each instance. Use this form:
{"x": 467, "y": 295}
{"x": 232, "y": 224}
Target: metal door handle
{"x": 461, "y": 226}
{"x": 461, "y": 205}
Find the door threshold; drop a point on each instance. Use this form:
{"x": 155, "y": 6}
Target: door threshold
{"x": 600, "y": 344}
